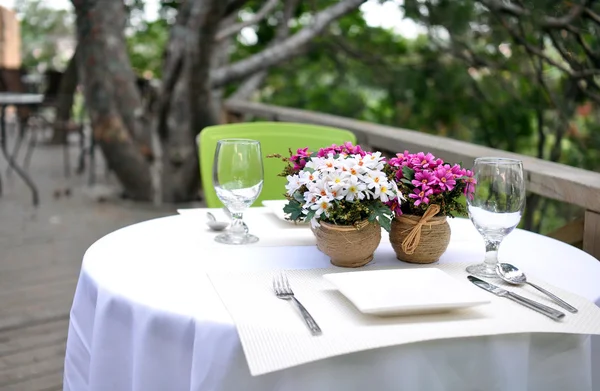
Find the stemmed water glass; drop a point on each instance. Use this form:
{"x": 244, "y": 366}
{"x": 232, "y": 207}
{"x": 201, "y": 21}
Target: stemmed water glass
{"x": 238, "y": 179}
{"x": 496, "y": 206}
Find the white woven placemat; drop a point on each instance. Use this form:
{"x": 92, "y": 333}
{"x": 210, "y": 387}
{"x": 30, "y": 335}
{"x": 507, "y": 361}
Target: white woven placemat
{"x": 274, "y": 336}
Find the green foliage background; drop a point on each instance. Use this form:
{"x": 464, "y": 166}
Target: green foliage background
{"x": 465, "y": 78}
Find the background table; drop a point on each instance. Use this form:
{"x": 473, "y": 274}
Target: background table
{"x": 145, "y": 317}
{"x": 17, "y": 99}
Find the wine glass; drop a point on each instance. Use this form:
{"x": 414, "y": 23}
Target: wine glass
{"x": 496, "y": 206}
{"x": 238, "y": 179}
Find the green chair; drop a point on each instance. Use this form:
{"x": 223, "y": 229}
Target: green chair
{"x": 274, "y": 137}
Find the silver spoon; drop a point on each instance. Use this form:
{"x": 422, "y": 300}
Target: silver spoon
{"x": 214, "y": 224}
{"x": 512, "y": 275}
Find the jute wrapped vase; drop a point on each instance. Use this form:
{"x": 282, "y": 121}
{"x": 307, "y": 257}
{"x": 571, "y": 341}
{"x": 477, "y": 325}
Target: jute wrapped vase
{"x": 420, "y": 239}
{"x": 348, "y": 245}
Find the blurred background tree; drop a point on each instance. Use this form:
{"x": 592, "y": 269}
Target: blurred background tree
{"x": 47, "y": 35}
{"x": 517, "y": 75}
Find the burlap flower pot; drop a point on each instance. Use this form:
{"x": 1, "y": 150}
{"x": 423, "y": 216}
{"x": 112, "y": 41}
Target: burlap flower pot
{"x": 346, "y": 245}
{"x": 419, "y": 240}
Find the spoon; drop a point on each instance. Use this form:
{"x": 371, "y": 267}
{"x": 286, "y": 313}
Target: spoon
{"x": 214, "y": 224}
{"x": 512, "y": 275}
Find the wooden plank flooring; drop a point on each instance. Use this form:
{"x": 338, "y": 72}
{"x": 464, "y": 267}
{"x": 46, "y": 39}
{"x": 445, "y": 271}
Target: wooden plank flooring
{"x": 40, "y": 259}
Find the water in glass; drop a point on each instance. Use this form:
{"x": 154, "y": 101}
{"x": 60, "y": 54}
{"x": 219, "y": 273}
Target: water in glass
{"x": 238, "y": 179}
{"x": 496, "y": 206}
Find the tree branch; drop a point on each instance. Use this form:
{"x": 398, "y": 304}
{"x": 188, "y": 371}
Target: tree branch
{"x": 233, "y": 6}
{"x": 568, "y": 57}
{"x": 523, "y": 42}
{"x": 286, "y": 49}
{"x": 547, "y": 22}
{"x": 257, "y": 17}
{"x": 595, "y": 59}
{"x": 251, "y": 84}
{"x": 592, "y": 16}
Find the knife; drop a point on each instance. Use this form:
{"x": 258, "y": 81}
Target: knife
{"x": 534, "y": 305}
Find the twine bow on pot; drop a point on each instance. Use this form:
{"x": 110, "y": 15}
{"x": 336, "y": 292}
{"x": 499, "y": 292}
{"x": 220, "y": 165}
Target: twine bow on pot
{"x": 411, "y": 242}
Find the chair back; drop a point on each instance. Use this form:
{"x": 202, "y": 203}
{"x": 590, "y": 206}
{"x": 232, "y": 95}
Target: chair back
{"x": 274, "y": 137}
{"x": 52, "y": 80}
{"x": 11, "y": 80}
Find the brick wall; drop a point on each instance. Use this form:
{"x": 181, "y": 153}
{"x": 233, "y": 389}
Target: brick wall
{"x": 10, "y": 40}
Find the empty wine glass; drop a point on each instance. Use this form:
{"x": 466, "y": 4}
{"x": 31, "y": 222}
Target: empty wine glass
{"x": 238, "y": 180}
{"x": 496, "y": 206}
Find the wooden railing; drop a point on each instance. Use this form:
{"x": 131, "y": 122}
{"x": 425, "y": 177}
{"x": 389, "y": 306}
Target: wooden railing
{"x": 553, "y": 180}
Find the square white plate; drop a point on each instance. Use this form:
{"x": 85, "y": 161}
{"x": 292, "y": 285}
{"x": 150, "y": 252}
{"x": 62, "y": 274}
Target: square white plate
{"x": 276, "y": 207}
{"x": 406, "y": 291}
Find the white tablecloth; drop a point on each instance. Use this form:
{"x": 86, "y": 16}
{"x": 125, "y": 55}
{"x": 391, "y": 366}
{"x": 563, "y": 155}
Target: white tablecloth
{"x": 146, "y": 318}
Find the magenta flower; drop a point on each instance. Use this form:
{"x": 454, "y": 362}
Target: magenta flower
{"x": 424, "y": 179}
{"x": 471, "y": 182}
{"x": 432, "y": 181}
{"x": 394, "y": 206}
{"x": 352, "y": 149}
{"x": 323, "y": 152}
{"x": 421, "y": 196}
{"x": 445, "y": 178}
{"x": 303, "y": 152}
{"x": 457, "y": 171}
{"x": 422, "y": 160}
{"x": 401, "y": 159}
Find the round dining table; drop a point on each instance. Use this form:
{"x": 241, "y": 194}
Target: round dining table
{"x": 145, "y": 316}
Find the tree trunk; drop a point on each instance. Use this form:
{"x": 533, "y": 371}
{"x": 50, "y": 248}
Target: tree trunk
{"x": 112, "y": 99}
{"x": 188, "y": 108}
{"x": 156, "y": 158}
{"x": 64, "y": 101}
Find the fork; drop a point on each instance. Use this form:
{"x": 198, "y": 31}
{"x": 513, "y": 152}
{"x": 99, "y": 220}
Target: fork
{"x": 283, "y": 291}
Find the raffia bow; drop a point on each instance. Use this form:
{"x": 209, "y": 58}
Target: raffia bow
{"x": 411, "y": 242}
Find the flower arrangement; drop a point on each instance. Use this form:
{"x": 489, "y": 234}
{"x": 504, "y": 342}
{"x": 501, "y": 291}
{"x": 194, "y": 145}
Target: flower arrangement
{"x": 341, "y": 185}
{"x": 429, "y": 181}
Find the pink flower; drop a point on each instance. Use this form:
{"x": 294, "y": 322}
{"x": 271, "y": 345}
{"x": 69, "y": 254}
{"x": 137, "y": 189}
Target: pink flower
{"x": 457, "y": 171}
{"x": 303, "y": 152}
{"x": 423, "y": 161}
{"x": 421, "y": 196}
{"x": 353, "y": 149}
{"x": 445, "y": 178}
{"x": 424, "y": 179}
{"x": 471, "y": 182}
{"x": 394, "y": 206}
{"x": 401, "y": 159}
{"x": 326, "y": 151}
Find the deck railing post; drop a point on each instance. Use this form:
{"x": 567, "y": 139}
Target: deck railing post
{"x": 591, "y": 233}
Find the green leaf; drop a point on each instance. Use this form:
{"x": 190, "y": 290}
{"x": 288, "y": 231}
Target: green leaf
{"x": 386, "y": 222}
{"x": 294, "y": 209}
{"x": 310, "y": 215}
{"x": 408, "y": 173}
{"x": 298, "y": 197}
{"x": 404, "y": 180}
{"x": 373, "y": 216}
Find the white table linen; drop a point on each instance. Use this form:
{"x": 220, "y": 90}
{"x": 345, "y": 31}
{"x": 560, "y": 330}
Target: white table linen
{"x": 145, "y": 317}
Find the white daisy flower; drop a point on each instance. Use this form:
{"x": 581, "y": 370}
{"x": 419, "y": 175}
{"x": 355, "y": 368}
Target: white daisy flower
{"x": 355, "y": 190}
{"x": 373, "y": 179}
{"x": 321, "y": 206}
{"x": 294, "y": 183}
{"x": 386, "y": 192}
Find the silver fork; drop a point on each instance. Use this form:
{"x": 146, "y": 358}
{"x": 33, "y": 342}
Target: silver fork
{"x": 283, "y": 291}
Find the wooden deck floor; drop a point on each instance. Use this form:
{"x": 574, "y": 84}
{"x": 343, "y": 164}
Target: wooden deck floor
{"x": 40, "y": 258}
